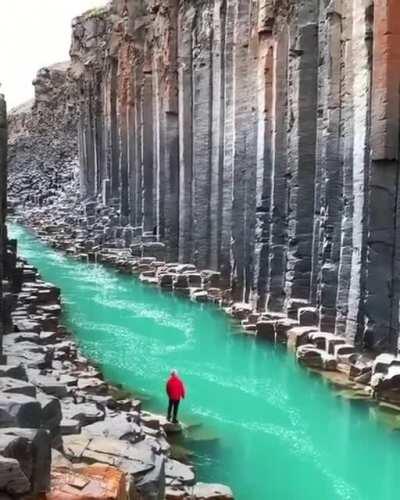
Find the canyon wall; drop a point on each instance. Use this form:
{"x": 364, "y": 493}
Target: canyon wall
{"x": 3, "y": 208}
{"x": 259, "y": 138}
{"x": 43, "y": 143}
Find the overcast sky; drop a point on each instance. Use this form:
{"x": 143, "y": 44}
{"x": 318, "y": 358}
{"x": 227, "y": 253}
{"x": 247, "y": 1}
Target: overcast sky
{"x": 33, "y": 34}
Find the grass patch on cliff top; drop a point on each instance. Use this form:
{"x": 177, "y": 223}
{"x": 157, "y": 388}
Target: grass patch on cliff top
{"x": 95, "y": 12}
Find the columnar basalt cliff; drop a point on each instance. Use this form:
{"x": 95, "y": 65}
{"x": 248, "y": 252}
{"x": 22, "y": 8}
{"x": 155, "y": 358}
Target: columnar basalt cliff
{"x": 259, "y": 138}
{"x": 3, "y": 207}
{"x": 43, "y": 140}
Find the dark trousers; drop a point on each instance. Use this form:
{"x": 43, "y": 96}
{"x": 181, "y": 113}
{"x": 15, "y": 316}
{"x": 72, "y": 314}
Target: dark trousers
{"x": 173, "y": 405}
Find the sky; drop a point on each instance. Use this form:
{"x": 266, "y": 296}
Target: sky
{"x": 34, "y": 34}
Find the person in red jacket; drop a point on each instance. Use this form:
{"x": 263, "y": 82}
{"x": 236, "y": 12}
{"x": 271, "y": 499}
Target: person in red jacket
{"x": 176, "y": 392}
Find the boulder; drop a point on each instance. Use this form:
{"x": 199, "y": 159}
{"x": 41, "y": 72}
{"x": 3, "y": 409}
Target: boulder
{"x": 211, "y": 278}
{"x": 181, "y": 281}
{"x": 70, "y": 426}
{"x": 198, "y": 295}
{"x": 95, "y": 482}
{"x": 32, "y": 449}
{"x": 152, "y": 484}
{"x": 51, "y": 411}
{"x": 297, "y": 336}
{"x": 12, "y": 478}
{"x": 344, "y": 353}
{"x": 177, "y": 473}
{"x": 282, "y": 328}
{"x": 19, "y": 410}
{"x": 311, "y": 356}
{"x": 51, "y": 386}
{"x": 194, "y": 279}
{"x": 166, "y": 280}
{"x": 25, "y": 325}
{"x": 326, "y": 341}
{"x": 387, "y": 386}
{"x": 118, "y": 426}
{"x": 85, "y": 413}
{"x": 266, "y": 329}
{"x": 203, "y": 491}
{"x": 134, "y": 459}
{"x": 307, "y": 316}
{"x": 13, "y": 371}
{"x": 92, "y": 385}
{"x": 241, "y": 310}
{"x": 382, "y": 363}
{"x": 15, "y": 386}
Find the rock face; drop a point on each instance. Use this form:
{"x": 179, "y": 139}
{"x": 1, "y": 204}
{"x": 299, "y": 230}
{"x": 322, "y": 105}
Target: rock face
{"x": 256, "y": 138}
{"x": 43, "y": 142}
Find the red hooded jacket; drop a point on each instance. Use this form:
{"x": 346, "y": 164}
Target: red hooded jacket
{"x": 175, "y": 388}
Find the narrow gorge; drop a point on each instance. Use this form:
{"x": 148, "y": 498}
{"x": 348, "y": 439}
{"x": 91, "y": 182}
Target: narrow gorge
{"x": 254, "y": 138}
{"x": 239, "y": 153}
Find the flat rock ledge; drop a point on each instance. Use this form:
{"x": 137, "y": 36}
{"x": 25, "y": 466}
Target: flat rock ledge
{"x": 64, "y": 431}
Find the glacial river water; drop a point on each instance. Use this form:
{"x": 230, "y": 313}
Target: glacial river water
{"x": 260, "y": 423}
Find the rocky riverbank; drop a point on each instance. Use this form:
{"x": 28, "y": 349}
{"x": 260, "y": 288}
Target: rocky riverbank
{"x": 86, "y": 230}
{"x": 64, "y": 431}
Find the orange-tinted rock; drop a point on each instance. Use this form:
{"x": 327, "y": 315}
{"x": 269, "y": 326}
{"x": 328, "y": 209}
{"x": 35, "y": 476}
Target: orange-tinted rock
{"x": 386, "y": 80}
{"x": 96, "y": 482}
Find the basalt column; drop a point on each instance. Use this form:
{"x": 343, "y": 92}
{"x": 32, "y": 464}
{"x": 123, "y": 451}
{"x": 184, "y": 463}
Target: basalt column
{"x": 185, "y": 91}
{"x": 147, "y": 143}
{"x": 202, "y": 120}
{"x": 361, "y": 92}
{"x": 125, "y": 106}
{"x": 244, "y": 149}
{"x": 328, "y": 178}
{"x": 3, "y": 206}
{"x": 279, "y": 183}
{"x": 383, "y": 259}
{"x": 303, "y": 73}
{"x": 227, "y": 160}
{"x": 217, "y": 129}
{"x": 346, "y": 137}
{"x": 264, "y": 158}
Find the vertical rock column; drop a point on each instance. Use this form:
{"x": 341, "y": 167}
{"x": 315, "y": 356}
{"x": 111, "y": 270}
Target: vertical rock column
{"x": 245, "y": 149}
{"x": 202, "y": 119}
{"x": 185, "y": 92}
{"x": 279, "y": 188}
{"x": 3, "y": 206}
{"x": 361, "y": 91}
{"x": 303, "y": 67}
{"x": 328, "y": 199}
{"x": 347, "y": 125}
{"x": 264, "y": 160}
{"x": 111, "y": 182}
{"x": 137, "y": 173}
{"x": 228, "y": 149}
{"x": 217, "y": 129}
{"x": 171, "y": 158}
{"x": 383, "y": 259}
{"x": 132, "y": 133}
{"x": 123, "y": 127}
{"x": 87, "y": 141}
{"x": 147, "y": 143}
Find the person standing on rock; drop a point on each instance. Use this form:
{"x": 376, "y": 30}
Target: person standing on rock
{"x": 175, "y": 391}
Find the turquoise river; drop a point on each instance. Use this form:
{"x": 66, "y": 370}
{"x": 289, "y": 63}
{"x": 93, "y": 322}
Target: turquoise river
{"x": 260, "y": 423}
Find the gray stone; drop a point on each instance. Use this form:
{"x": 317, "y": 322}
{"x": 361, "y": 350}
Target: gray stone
{"x": 19, "y": 410}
